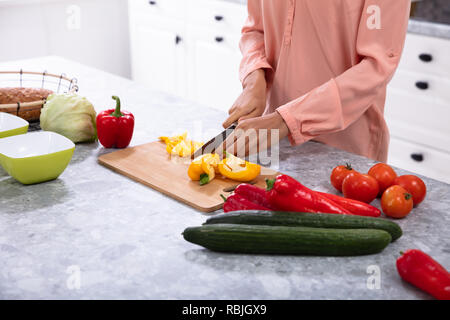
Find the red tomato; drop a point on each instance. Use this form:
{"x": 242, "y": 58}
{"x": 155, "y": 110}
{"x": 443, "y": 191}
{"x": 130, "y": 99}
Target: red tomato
{"x": 360, "y": 187}
{"x": 384, "y": 174}
{"x": 338, "y": 175}
{"x": 396, "y": 202}
{"x": 414, "y": 185}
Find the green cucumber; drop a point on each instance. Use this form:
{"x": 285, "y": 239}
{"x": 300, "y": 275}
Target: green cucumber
{"x": 304, "y": 219}
{"x": 257, "y": 239}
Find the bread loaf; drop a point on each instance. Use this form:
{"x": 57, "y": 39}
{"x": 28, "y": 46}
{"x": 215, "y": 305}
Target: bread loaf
{"x": 14, "y": 95}
{"x": 11, "y": 96}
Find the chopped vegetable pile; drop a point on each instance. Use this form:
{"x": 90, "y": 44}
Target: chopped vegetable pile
{"x": 180, "y": 145}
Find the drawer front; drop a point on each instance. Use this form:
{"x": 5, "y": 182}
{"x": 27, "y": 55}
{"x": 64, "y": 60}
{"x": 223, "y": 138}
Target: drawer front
{"x": 426, "y": 54}
{"x": 419, "y": 114}
{"x": 415, "y": 134}
{"x": 419, "y": 159}
{"x": 435, "y": 88}
{"x": 220, "y": 15}
{"x": 169, "y": 8}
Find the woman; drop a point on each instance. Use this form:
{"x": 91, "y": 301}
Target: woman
{"x": 318, "y": 69}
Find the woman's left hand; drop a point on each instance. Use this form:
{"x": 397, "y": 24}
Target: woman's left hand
{"x": 254, "y": 135}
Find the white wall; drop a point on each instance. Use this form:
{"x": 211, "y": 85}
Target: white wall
{"x": 99, "y": 37}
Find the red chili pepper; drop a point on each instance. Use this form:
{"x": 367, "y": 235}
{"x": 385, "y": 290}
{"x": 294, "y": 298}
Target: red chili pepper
{"x": 286, "y": 193}
{"x": 254, "y": 194}
{"x": 419, "y": 269}
{"x": 354, "y": 206}
{"x": 115, "y": 127}
{"x": 237, "y": 202}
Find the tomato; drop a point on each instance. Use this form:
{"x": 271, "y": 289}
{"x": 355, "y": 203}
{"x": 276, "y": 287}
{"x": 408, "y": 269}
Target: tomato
{"x": 414, "y": 185}
{"x": 338, "y": 175}
{"x": 360, "y": 187}
{"x": 396, "y": 202}
{"x": 384, "y": 174}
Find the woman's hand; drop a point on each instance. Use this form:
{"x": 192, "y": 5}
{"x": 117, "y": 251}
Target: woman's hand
{"x": 252, "y": 101}
{"x": 255, "y": 134}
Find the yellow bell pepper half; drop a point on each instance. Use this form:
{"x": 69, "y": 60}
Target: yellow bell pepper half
{"x": 237, "y": 169}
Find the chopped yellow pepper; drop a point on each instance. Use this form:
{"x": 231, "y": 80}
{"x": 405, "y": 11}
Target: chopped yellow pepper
{"x": 237, "y": 169}
{"x": 203, "y": 168}
{"x": 180, "y": 145}
{"x": 195, "y": 169}
{"x": 209, "y": 164}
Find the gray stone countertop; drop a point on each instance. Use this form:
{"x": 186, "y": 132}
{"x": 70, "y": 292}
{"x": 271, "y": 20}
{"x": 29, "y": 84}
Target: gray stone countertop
{"x": 431, "y": 29}
{"x": 122, "y": 240}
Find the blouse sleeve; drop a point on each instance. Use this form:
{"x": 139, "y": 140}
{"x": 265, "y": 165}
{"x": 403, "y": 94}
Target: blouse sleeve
{"x": 252, "y": 42}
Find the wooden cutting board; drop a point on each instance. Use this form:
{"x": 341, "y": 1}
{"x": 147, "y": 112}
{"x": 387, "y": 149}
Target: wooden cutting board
{"x": 152, "y": 166}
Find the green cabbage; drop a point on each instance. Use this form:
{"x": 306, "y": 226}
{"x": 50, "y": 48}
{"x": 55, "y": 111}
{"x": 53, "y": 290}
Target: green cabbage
{"x": 70, "y": 115}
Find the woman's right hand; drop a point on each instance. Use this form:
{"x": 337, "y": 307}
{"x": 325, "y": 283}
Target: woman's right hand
{"x": 252, "y": 101}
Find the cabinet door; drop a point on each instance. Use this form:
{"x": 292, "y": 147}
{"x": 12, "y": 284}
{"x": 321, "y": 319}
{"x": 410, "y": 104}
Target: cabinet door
{"x": 214, "y": 75}
{"x": 154, "y": 58}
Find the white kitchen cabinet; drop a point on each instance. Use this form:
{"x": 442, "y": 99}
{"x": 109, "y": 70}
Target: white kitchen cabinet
{"x": 418, "y": 108}
{"x": 427, "y": 55}
{"x": 420, "y": 159}
{"x": 158, "y": 48}
{"x": 160, "y": 60}
{"x": 188, "y": 48}
{"x": 214, "y": 62}
{"x": 222, "y": 16}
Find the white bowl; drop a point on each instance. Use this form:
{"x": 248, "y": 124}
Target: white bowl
{"x": 11, "y": 125}
{"x": 36, "y": 157}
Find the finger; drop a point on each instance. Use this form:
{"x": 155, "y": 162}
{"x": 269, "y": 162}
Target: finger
{"x": 232, "y": 109}
{"x": 239, "y": 112}
{"x": 251, "y": 115}
{"x": 230, "y": 120}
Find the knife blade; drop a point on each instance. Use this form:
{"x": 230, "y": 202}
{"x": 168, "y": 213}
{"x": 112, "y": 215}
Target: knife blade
{"x": 212, "y": 144}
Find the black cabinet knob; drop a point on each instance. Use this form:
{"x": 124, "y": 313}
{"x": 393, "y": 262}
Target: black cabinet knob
{"x": 152, "y": 3}
{"x": 219, "y": 39}
{"x": 178, "y": 39}
{"x": 218, "y": 18}
{"x": 426, "y": 57}
{"x": 422, "y": 85}
{"x": 417, "y": 157}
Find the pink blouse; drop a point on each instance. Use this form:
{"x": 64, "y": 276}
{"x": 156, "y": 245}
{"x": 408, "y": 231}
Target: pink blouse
{"x": 327, "y": 64}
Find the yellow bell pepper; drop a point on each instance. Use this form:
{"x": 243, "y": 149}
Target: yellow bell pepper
{"x": 203, "y": 168}
{"x": 195, "y": 169}
{"x": 237, "y": 169}
{"x": 180, "y": 145}
{"x": 209, "y": 164}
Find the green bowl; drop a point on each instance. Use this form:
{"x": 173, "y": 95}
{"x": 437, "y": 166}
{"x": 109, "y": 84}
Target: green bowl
{"x": 35, "y": 157}
{"x": 11, "y": 125}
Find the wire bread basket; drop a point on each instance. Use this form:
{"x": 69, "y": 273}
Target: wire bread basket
{"x": 23, "y": 93}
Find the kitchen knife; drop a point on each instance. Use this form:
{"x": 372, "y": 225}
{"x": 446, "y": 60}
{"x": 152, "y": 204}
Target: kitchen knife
{"x": 212, "y": 144}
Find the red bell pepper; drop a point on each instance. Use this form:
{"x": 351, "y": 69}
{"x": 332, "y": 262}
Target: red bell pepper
{"x": 286, "y": 193}
{"x": 115, "y": 127}
{"x": 237, "y": 202}
{"x": 354, "y": 206}
{"x": 253, "y": 193}
{"x": 419, "y": 269}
